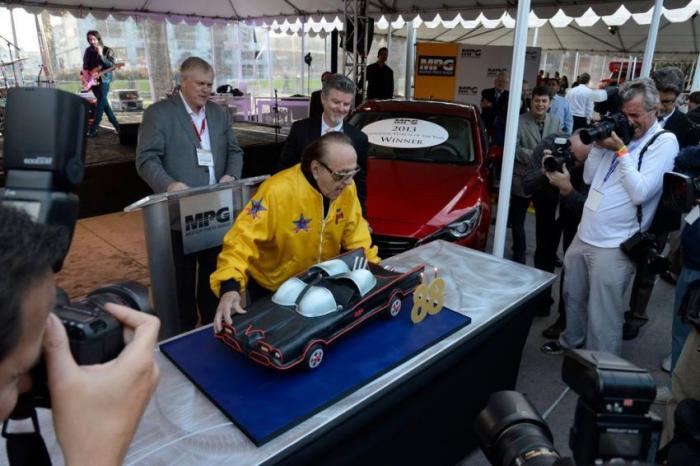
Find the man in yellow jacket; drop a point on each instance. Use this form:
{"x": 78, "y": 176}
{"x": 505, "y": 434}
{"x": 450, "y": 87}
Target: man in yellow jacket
{"x": 301, "y": 216}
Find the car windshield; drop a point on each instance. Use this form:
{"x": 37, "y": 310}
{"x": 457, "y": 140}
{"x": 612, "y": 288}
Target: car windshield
{"x": 417, "y": 137}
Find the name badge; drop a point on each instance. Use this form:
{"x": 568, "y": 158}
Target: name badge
{"x": 693, "y": 215}
{"x": 593, "y": 200}
{"x": 205, "y": 158}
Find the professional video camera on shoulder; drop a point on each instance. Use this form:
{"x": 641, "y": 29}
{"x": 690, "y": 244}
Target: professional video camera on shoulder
{"x": 611, "y": 423}
{"x": 43, "y": 165}
{"x": 617, "y": 122}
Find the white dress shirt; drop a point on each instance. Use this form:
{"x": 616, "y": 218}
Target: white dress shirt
{"x": 327, "y": 129}
{"x": 199, "y": 119}
{"x": 581, "y": 101}
{"x": 615, "y": 219}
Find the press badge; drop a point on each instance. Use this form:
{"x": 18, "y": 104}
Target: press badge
{"x": 693, "y": 215}
{"x": 205, "y": 158}
{"x": 593, "y": 200}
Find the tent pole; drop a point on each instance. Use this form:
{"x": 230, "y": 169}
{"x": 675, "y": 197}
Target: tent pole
{"x": 651, "y": 39}
{"x": 516, "y": 86}
{"x": 410, "y": 57}
{"x": 543, "y": 64}
{"x": 576, "y": 73}
{"x": 629, "y": 67}
{"x": 300, "y": 90}
{"x": 535, "y": 37}
{"x": 14, "y": 37}
{"x": 696, "y": 77}
{"x": 388, "y": 38}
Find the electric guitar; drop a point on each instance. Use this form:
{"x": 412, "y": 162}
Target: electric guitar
{"x": 91, "y": 77}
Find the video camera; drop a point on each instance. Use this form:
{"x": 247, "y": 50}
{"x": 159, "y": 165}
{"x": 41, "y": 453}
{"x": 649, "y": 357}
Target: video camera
{"x": 43, "y": 163}
{"x": 612, "y": 419}
{"x": 561, "y": 156}
{"x": 617, "y": 122}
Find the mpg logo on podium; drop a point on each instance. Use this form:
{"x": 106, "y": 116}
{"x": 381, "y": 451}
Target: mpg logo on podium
{"x": 205, "y": 219}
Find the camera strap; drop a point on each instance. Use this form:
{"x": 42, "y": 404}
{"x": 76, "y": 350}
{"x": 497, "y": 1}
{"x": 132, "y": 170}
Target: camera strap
{"x": 26, "y": 448}
{"x": 639, "y": 169}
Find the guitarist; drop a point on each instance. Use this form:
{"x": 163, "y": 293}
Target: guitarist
{"x": 97, "y": 58}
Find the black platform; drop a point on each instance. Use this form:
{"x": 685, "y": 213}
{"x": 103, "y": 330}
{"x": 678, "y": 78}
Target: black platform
{"x": 111, "y": 182}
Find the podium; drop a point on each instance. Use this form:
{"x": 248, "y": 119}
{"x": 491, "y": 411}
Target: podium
{"x": 201, "y": 217}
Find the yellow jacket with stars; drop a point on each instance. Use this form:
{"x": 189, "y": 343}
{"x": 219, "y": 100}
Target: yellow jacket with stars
{"x": 281, "y": 232}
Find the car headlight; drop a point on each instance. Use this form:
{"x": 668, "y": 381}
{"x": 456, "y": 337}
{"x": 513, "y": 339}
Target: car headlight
{"x": 465, "y": 225}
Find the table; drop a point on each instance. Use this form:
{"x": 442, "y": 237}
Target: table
{"x": 238, "y": 106}
{"x": 421, "y": 412}
{"x": 290, "y": 109}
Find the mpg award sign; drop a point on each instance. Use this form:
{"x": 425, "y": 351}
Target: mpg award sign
{"x": 205, "y": 219}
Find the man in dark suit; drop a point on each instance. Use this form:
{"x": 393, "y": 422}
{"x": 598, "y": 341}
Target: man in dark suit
{"x": 694, "y": 107}
{"x": 315, "y": 106}
{"x": 336, "y": 98}
{"x": 494, "y": 101}
{"x": 186, "y": 141}
{"x": 380, "y": 78}
{"x": 669, "y": 82}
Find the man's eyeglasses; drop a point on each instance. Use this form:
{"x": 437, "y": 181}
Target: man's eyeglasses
{"x": 340, "y": 176}
{"x": 668, "y": 101}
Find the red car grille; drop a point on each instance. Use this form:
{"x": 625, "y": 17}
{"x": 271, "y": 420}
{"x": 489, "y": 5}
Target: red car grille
{"x": 392, "y": 245}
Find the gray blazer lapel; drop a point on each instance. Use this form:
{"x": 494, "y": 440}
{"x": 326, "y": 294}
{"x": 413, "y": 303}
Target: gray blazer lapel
{"x": 184, "y": 119}
{"x": 534, "y": 129}
{"x": 550, "y": 125}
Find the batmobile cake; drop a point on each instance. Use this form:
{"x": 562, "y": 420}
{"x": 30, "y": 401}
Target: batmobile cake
{"x": 311, "y": 310}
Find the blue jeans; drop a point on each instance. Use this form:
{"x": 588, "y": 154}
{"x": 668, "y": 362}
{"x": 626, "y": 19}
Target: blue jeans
{"x": 679, "y": 330}
{"x": 102, "y": 107}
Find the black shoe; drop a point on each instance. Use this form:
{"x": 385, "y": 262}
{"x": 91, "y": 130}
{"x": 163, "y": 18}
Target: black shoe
{"x": 630, "y": 330}
{"x": 668, "y": 277}
{"x": 552, "y": 347}
{"x": 553, "y": 331}
{"x": 558, "y": 262}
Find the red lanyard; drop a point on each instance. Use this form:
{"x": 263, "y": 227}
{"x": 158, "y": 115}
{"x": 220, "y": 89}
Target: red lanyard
{"x": 200, "y": 132}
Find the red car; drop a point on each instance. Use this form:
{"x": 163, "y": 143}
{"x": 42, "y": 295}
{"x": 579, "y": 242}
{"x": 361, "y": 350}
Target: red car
{"x": 427, "y": 173}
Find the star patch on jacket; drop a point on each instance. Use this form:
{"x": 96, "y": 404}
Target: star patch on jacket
{"x": 302, "y": 224}
{"x": 339, "y": 216}
{"x": 255, "y": 208}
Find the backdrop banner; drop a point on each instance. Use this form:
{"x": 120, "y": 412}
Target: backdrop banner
{"x": 459, "y": 73}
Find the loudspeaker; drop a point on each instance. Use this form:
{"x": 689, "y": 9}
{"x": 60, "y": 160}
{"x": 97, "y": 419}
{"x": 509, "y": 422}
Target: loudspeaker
{"x": 128, "y": 133}
{"x": 364, "y": 25}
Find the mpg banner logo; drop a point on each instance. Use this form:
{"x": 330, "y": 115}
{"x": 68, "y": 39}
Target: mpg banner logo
{"x": 471, "y": 53}
{"x": 205, "y": 219}
{"x": 468, "y": 90}
{"x": 436, "y": 66}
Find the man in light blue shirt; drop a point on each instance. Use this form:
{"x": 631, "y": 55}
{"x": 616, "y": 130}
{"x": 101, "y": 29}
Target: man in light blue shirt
{"x": 560, "y": 106}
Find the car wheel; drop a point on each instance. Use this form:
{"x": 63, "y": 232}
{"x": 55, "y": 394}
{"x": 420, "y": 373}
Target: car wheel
{"x": 314, "y": 357}
{"x": 394, "y": 306}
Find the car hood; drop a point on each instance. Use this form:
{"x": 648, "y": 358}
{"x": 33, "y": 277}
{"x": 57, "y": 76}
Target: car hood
{"x": 414, "y": 198}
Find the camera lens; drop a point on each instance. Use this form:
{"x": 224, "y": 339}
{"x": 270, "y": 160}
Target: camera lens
{"x": 552, "y": 164}
{"x": 511, "y": 432}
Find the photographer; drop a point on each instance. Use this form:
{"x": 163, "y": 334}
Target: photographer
{"x": 626, "y": 182}
{"x": 685, "y": 361}
{"x": 533, "y": 127}
{"x": 669, "y": 82}
{"x": 550, "y": 186}
{"x": 96, "y": 409}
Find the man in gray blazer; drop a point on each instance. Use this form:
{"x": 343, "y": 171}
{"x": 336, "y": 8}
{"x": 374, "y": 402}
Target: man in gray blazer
{"x": 186, "y": 141}
{"x": 532, "y": 127}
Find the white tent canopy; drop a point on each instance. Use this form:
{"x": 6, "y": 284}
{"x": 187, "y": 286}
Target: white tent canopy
{"x": 266, "y": 11}
{"x": 621, "y": 33}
